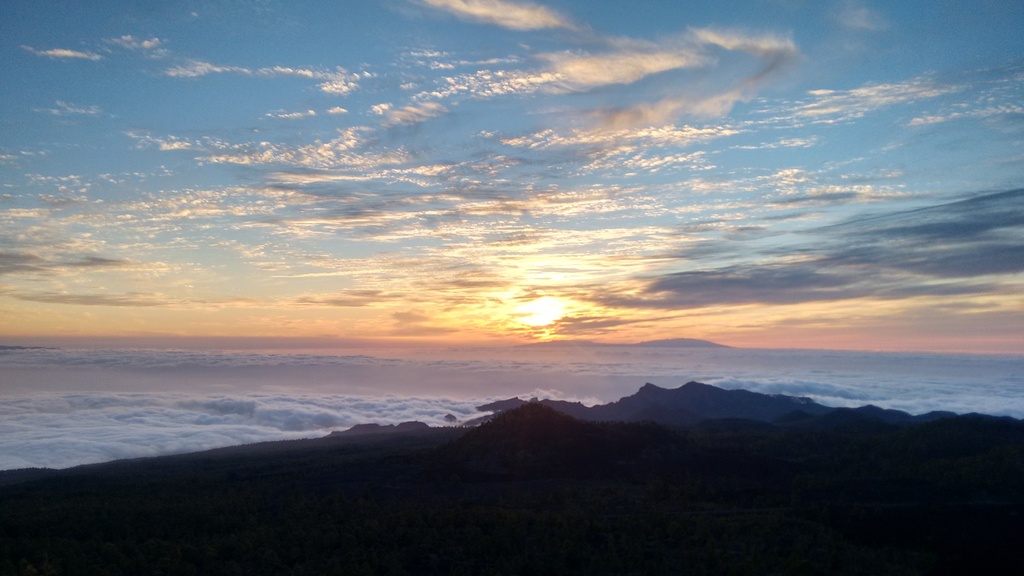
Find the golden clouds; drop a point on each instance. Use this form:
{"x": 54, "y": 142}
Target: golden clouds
{"x": 512, "y": 15}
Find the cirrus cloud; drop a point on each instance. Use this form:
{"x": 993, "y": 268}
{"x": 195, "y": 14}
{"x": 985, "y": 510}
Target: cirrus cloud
{"x": 513, "y": 15}
{"x": 64, "y": 54}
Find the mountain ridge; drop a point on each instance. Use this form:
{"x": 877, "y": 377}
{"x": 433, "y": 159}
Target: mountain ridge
{"x": 695, "y": 402}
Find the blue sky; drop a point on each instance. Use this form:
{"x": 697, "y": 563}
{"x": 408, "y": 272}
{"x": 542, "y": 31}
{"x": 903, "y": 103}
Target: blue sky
{"x": 775, "y": 174}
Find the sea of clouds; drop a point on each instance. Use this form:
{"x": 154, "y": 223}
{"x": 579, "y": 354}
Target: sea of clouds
{"x": 61, "y": 408}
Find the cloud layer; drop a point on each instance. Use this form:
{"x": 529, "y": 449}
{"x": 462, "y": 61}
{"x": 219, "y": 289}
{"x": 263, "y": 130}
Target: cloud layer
{"x": 63, "y": 408}
{"x": 61, "y": 430}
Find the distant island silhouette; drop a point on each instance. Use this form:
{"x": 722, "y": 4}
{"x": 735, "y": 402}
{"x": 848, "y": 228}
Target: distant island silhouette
{"x": 666, "y": 343}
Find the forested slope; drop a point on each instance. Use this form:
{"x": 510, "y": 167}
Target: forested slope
{"x": 538, "y": 492}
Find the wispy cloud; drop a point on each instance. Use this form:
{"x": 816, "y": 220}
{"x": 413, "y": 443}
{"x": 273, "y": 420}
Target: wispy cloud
{"x": 504, "y": 13}
{"x": 132, "y": 300}
{"x": 337, "y": 153}
{"x": 631, "y": 62}
{"x": 338, "y": 82}
{"x": 608, "y": 150}
{"x": 284, "y": 115}
{"x": 27, "y": 262}
{"x": 64, "y": 54}
{"x": 984, "y": 112}
{"x": 348, "y": 299}
{"x": 198, "y": 68}
{"x": 413, "y": 114}
{"x": 774, "y": 53}
{"x": 991, "y": 95}
{"x": 857, "y": 15}
{"x": 912, "y": 254}
{"x": 490, "y": 84}
{"x": 130, "y": 42}
{"x": 67, "y": 109}
{"x": 830, "y": 106}
{"x": 350, "y": 149}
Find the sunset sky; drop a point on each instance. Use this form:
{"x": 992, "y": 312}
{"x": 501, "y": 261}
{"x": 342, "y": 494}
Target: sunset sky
{"x": 778, "y": 173}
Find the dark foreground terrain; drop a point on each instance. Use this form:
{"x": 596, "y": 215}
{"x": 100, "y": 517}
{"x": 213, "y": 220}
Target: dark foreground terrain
{"x": 535, "y": 491}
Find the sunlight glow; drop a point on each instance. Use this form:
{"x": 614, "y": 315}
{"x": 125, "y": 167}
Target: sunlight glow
{"x": 540, "y": 312}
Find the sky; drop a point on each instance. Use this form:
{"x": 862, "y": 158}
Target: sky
{"x": 768, "y": 173}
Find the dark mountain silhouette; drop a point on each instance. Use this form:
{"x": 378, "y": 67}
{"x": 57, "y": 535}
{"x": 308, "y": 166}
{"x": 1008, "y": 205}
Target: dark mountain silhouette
{"x": 537, "y": 440}
{"x": 371, "y": 429}
{"x": 683, "y": 406}
{"x": 868, "y": 418}
{"x": 695, "y": 402}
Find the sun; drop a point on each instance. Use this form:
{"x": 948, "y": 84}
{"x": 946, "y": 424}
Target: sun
{"x": 540, "y": 312}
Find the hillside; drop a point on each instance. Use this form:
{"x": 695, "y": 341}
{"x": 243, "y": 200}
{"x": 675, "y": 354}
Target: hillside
{"x": 535, "y": 491}
{"x": 537, "y": 440}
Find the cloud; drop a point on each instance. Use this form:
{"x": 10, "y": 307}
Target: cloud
{"x": 68, "y": 109}
{"x": 857, "y": 16}
{"x": 668, "y": 110}
{"x": 62, "y": 430}
{"x": 332, "y": 154}
{"x": 991, "y": 95}
{"x": 491, "y": 84}
{"x": 1007, "y": 110}
{"x": 575, "y": 71}
{"x": 831, "y": 106}
{"x": 337, "y": 82}
{"x": 513, "y": 15}
{"x": 131, "y": 300}
{"x": 412, "y": 114}
{"x": 198, "y": 68}
{"x": 21, "y": 262}
{"x": 783, "y": 284}
{"x": 283, "y": 115}
{"x": 288, "y": 71}
{"x": 958, "y": 248}
{"x": 798, "y": 142}
{"x": 174, "y": 144}
{"x": 351, "y": 149}
{"x": 774, "y": 54}
{"x": 347, "y": 299}
{"x": 778, "y": 50}
{"x": 64, "y": 54}
{"x": 130, "y": 42}
{"x": 617, "y": 149}
{"x": 12, "y": 262}
{"x": 625, "y": 62}
{"x": 976, "y": 237}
